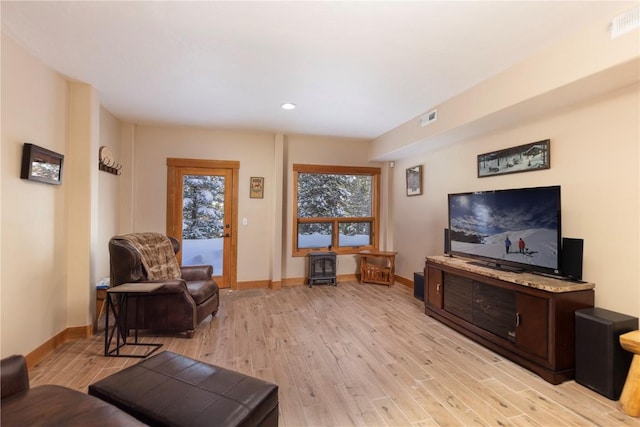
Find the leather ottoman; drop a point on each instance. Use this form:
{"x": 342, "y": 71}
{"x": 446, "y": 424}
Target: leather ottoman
{"x": 168, "y": 389}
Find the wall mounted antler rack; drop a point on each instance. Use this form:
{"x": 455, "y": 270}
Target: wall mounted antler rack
{"x": 106, "y": 162}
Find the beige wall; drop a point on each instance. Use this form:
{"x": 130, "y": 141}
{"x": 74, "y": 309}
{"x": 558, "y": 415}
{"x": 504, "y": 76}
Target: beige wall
{"x": 81, "y": 188}
{"x": 582, "y": 93}
{"x": 594, "y": 157}
{"x": 254, "y": 151}
{"x": 259, "y": 154}
{"x": 34, "y": 278}
{"x": 316, "y": 150}
{"x": 53, "y": 237}
{"x": 109, "y": 191}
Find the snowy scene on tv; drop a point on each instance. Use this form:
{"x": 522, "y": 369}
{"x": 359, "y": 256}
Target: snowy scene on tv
{"x": 516, "y": 226}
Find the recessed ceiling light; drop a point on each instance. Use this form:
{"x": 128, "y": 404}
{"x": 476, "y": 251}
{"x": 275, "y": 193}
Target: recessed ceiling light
{"x": 288, "y": 106}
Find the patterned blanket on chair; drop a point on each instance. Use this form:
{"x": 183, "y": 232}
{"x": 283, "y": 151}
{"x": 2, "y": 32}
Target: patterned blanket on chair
{"x": 157, "y": 255}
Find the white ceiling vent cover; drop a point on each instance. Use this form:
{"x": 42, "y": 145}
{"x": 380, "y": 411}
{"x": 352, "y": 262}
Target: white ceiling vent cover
{"x": 626, "y": 22}
{"x": 431, "y": 116}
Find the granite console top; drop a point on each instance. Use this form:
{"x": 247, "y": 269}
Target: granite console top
{"x": 530, "y": 280}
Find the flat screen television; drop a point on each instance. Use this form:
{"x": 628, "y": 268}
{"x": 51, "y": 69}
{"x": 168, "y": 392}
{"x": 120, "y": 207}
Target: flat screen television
{"x": 517, "y": 229}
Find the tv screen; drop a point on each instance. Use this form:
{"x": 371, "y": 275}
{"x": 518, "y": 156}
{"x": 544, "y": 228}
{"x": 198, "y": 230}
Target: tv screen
{"x": 517, "y": 228}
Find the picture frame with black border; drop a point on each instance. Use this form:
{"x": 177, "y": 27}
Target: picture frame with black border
{"x": 41, "y": 165}
{"x": 522, "y": 158}
{"x": 414, "y": 180}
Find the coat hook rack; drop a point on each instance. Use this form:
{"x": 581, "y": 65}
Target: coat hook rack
{"x": 106, "y": 162}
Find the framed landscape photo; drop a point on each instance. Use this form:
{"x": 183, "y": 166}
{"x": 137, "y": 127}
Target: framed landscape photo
{"x": 414, "y": 181}
{"x": 523, "y": 158}
{"x": 256, "y": 190}
{"x": 41, "y": 165}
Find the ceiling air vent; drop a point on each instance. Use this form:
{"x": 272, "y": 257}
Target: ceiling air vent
{"x": 431, "y": 116}
{"x": 626, "y": 22}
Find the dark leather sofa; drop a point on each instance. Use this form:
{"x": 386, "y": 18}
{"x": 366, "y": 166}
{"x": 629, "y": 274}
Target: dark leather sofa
{"x": 179, "y": 306}
{"x": 51, "y": 405}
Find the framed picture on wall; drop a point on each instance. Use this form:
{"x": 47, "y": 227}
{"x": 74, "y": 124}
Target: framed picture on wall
{"x": 414, "y": 181}
{"x": 41, "y": 165}
{"x": 256, "y": 190}
{"x": 523, "y": 158}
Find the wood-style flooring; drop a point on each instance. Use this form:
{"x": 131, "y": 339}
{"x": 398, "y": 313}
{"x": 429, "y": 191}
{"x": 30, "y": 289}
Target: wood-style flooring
{"x": 356, "y": 355}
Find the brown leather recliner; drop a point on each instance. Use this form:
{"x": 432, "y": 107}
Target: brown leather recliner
{"x": 179, "y": 306}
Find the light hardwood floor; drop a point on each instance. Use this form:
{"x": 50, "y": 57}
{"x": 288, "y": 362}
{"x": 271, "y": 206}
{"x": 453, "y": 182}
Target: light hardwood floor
{"x": 357, "y": 355}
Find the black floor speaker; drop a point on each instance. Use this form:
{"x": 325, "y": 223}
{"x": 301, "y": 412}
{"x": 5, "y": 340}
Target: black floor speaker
{"x": 418, "y": 286}
{"x": 571, "y": 258}
{"x": 601, "y": 362}
{"x": 447, "y": 242}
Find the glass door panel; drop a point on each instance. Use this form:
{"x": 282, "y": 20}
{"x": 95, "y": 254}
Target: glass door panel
{"x": 203, "y": 226}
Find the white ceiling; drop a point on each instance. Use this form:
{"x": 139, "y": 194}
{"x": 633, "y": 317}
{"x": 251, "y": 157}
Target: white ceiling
{"x": 355, "y": 69}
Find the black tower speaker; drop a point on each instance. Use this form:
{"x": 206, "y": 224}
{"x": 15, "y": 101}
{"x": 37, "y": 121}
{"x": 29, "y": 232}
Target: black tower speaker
{"x": 418, "y": 285}
{"x": 601, "y": 362}
{"x": 447, "y": 242}
{"x": 571, "y": 258}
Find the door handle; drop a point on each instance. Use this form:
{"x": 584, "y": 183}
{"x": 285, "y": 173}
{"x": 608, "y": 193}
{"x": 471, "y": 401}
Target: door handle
{"x": 227, "y": 235}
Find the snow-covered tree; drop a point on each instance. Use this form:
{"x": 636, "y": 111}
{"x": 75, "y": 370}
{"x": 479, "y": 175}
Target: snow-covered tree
{"x": 202, "y": 207}
{"x": 333, "y": 196}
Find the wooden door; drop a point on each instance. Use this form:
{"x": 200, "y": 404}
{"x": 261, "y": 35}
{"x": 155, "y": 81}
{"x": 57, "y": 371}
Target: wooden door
{"x": 202, "y": 214}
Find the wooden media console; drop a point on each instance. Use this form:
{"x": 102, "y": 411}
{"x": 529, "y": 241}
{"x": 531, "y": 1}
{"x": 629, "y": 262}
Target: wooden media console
{"x": 527, "y": 318}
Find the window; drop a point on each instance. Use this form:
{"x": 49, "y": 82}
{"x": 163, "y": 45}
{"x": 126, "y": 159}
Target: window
{"x": 335, "y": 207}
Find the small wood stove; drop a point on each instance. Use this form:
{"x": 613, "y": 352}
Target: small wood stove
{"x": 322, "y": 268}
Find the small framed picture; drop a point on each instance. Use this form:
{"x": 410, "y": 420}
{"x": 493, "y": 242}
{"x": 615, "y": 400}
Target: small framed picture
{"x": 414, "y": 181}
{"x": 256, "y": 190}
{"x": 40, "y": 164}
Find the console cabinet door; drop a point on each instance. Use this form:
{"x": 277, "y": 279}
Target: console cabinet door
{"x": 493, "y": 310}
{"x": 532, "y": 324}
{"x": 435, "y": 287}
{"x": 458, "y": 299}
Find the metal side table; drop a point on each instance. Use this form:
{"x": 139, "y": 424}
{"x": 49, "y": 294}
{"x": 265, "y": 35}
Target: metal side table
{"x": 119, "y": 311}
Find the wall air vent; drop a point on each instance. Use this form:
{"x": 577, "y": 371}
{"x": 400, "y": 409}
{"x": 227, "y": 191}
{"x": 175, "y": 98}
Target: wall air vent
{"x": 626, "y": 22}
{"x": 428, "y": 118}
